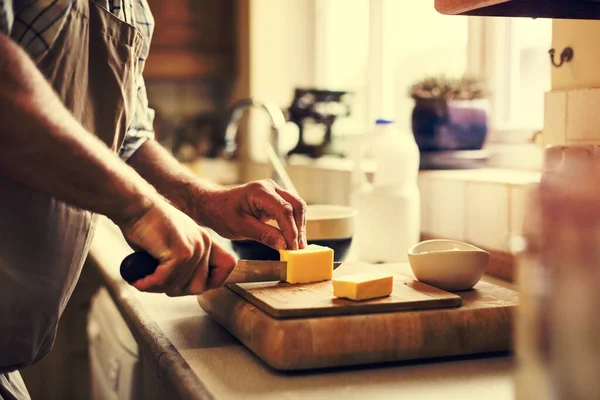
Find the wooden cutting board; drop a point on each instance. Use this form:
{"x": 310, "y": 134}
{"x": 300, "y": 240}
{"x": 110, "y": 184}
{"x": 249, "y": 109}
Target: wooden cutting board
{"x": 284, "y": 300}
{"x": 482, "y": 324}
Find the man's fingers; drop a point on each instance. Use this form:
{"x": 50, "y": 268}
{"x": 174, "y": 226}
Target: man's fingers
{"x": 176, "y": 273}
{"x": 158, "y": 281}
{"x": 281, "y": 211}
{"x": 299, "y": 214}
{"x": 222, "y": 262}
{"x": 193, "y": 272}
{"x": 169, "y": 278}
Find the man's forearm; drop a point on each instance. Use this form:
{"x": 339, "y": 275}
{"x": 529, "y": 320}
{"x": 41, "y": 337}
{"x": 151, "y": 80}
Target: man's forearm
{"x": 42, "y": 146}
{"x": 172, "y": 180}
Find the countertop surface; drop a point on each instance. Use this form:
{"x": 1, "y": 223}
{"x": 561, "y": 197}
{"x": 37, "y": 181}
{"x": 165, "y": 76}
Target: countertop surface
{"x": 204, "y": 361}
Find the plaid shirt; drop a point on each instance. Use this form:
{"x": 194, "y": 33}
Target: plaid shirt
{"x": 35, "y": 24}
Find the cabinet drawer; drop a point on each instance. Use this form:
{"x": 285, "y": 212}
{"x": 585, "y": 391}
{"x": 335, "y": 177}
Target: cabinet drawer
{"x": 583, "y": 37}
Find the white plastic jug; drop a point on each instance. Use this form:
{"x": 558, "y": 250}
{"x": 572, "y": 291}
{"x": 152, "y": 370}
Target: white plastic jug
{"x": 389, "y": 209}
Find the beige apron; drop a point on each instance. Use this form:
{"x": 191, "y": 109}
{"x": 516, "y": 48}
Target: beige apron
{"x": 43, "y": 242}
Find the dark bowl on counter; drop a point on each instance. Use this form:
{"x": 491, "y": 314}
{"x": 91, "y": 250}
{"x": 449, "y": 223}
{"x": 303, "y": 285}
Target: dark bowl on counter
{"x": 326, "y": 225}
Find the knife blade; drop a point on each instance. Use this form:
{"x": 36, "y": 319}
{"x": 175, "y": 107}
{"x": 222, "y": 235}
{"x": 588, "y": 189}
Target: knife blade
{"x": 141, "y": 264}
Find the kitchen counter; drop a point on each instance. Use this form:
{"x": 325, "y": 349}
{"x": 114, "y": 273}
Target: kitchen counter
{"x": 192, "y": 357}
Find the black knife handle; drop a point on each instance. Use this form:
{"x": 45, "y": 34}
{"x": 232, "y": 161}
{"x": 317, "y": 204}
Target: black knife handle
{"x": 137, "y": 266}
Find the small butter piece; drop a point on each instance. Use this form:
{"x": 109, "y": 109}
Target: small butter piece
{"x": 363, "y": 286}
{"x": 312, "y": 264}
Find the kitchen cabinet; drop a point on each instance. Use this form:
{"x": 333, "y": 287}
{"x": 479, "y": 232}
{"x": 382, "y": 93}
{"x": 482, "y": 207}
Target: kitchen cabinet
{"x": 570, "y": 9}
{"x": 192, "y": 39}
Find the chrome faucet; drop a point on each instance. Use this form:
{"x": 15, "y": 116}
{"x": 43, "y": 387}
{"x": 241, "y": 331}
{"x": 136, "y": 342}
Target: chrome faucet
{"x": 233, "y": 120}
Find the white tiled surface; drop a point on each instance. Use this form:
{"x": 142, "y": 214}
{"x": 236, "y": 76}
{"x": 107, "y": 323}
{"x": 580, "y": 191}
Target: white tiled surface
{"x": 487, "y": 219}
{"x": 425, "y": 189}
{"x": 300, "y": 180}
{"x": 485, "y": 175}
{"x": 317, "y": 186}
{"x": 555, "y": 118}
{"x": 338, "y": 187}
{"x": 583, "y": 117}
{"x": 487, "y": 213}
{"x": 572, "y": 117}
{"x": 447, "y": 208}
{"x": 518, "y": 201}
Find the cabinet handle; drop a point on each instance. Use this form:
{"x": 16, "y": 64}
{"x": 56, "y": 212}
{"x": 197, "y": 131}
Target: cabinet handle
{"x": 566, "y": 56}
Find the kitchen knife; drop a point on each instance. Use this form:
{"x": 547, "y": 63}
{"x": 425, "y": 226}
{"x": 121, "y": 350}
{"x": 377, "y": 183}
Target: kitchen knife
{"x": 140, "y": 264}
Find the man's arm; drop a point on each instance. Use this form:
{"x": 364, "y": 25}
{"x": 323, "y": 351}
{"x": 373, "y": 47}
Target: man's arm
{"x": 44, "y": 147}
{"x": 237, "y": 213}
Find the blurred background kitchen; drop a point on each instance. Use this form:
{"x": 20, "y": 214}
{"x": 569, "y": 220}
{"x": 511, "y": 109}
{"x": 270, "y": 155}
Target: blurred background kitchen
{"x": 469, "y": 89}
{"x": 364, "y": 57}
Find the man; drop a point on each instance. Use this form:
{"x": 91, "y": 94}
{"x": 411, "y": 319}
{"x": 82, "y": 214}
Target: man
{"x": 72, "y": 97}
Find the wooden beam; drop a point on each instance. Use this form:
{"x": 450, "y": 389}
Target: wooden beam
{"x": 558, "y": 9}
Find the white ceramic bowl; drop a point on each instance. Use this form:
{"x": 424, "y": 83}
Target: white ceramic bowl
{"x": 448, "y": 264}
{"x": 327, "y": 222}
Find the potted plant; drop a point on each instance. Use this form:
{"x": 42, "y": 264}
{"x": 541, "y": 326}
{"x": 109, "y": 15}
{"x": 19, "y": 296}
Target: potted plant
{"x": 450, "y": 114}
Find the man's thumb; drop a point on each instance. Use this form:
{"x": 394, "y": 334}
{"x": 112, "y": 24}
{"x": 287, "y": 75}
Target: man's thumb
{"x": 265, "y": 234}
{"x": 221, "y": 262}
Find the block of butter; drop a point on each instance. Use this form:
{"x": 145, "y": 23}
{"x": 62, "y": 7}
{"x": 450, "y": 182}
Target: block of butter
{"x": 311, "y": 264}
{"x": 363, "y": 286}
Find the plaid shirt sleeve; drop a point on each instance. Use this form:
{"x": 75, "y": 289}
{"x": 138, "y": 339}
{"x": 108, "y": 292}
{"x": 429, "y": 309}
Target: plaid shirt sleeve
{"x": 34, "y": 24}
{"x": 7, "y": 16}
{"x": 141, "y": 128}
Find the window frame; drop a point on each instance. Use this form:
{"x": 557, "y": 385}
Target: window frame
{"x": 511, "y": 146}
{"x": 490, "y": 46}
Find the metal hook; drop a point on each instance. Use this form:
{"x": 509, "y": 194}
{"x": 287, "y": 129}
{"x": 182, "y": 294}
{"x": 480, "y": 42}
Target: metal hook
{"x": 566, "y": 56}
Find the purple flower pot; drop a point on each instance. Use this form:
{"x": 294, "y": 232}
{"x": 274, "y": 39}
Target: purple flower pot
{"x": 440, "y": 125}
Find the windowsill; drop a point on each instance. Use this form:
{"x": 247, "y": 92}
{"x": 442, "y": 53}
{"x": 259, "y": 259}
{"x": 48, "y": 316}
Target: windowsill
{"x": 494, "y": 173}
{"x": 511, "y": 177}
{"x": 499, "y": 169}
{"x": 515, "y": 156}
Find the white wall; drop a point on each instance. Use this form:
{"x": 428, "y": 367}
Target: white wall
{"x": 281, "y": 47}
{"x": 583, "y": 37}
{"x": 426, "y": 43}
{"x": 281, "y": 59}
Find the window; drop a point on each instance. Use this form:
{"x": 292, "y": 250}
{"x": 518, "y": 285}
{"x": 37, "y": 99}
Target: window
{"x": 379, "y": 48}
{"x": 515, "y": 63}
{"x": 342, "y": 55}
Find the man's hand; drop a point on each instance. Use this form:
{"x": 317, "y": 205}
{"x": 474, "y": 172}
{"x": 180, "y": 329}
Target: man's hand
{"x": 189, "y": 262}
{"x": 240, "y": 213}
